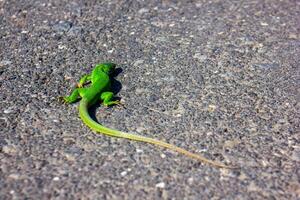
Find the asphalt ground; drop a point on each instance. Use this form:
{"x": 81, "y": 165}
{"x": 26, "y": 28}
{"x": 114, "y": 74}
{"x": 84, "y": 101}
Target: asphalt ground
{"x": 220, "y": 78}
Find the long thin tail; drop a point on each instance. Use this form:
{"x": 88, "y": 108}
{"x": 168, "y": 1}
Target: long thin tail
{"x": 84, "y": 115}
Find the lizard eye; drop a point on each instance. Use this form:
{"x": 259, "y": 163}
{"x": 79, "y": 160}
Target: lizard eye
{"x": 106, "y": 67}
{"x": 109, "y": 67}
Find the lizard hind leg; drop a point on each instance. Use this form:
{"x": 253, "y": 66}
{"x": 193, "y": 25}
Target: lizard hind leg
{"x": 107, "y": 97}
{"x": 74, "y": 96}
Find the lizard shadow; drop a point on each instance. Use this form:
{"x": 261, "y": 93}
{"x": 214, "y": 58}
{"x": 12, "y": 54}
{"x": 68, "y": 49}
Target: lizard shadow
{"x": 116, "y": 87}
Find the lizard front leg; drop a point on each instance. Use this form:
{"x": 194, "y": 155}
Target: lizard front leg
{"x": 84, "y": 80}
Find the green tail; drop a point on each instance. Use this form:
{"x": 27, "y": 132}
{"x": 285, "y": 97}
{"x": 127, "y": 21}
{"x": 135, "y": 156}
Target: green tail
{"x": 84, "y": 115}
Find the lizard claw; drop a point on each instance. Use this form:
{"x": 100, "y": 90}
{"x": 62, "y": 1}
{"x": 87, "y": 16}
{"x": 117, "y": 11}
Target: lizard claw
{"x": 62, "y": 100}
{"x": 120, "y": 104}
{"x": 112, "y": 103}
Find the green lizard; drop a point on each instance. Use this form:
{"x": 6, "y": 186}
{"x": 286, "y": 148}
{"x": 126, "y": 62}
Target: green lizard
{"x": 99, "y": 90}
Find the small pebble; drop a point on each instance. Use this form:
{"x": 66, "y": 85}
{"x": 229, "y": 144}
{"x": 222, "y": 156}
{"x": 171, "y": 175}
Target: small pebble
{"x": 124, "y": 173}
{"x": 160, "y": 185}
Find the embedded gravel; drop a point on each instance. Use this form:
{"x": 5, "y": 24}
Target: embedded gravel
{"x": 220, "y": 78}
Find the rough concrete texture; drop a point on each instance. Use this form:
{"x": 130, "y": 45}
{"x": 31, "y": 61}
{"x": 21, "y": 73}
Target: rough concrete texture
{"x": 220, "y": 78}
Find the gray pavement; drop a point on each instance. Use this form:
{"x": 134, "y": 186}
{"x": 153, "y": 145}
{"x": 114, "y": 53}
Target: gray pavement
{"x": 220, "y": 78}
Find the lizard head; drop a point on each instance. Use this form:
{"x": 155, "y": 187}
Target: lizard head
{"x": 107, "y": 68}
